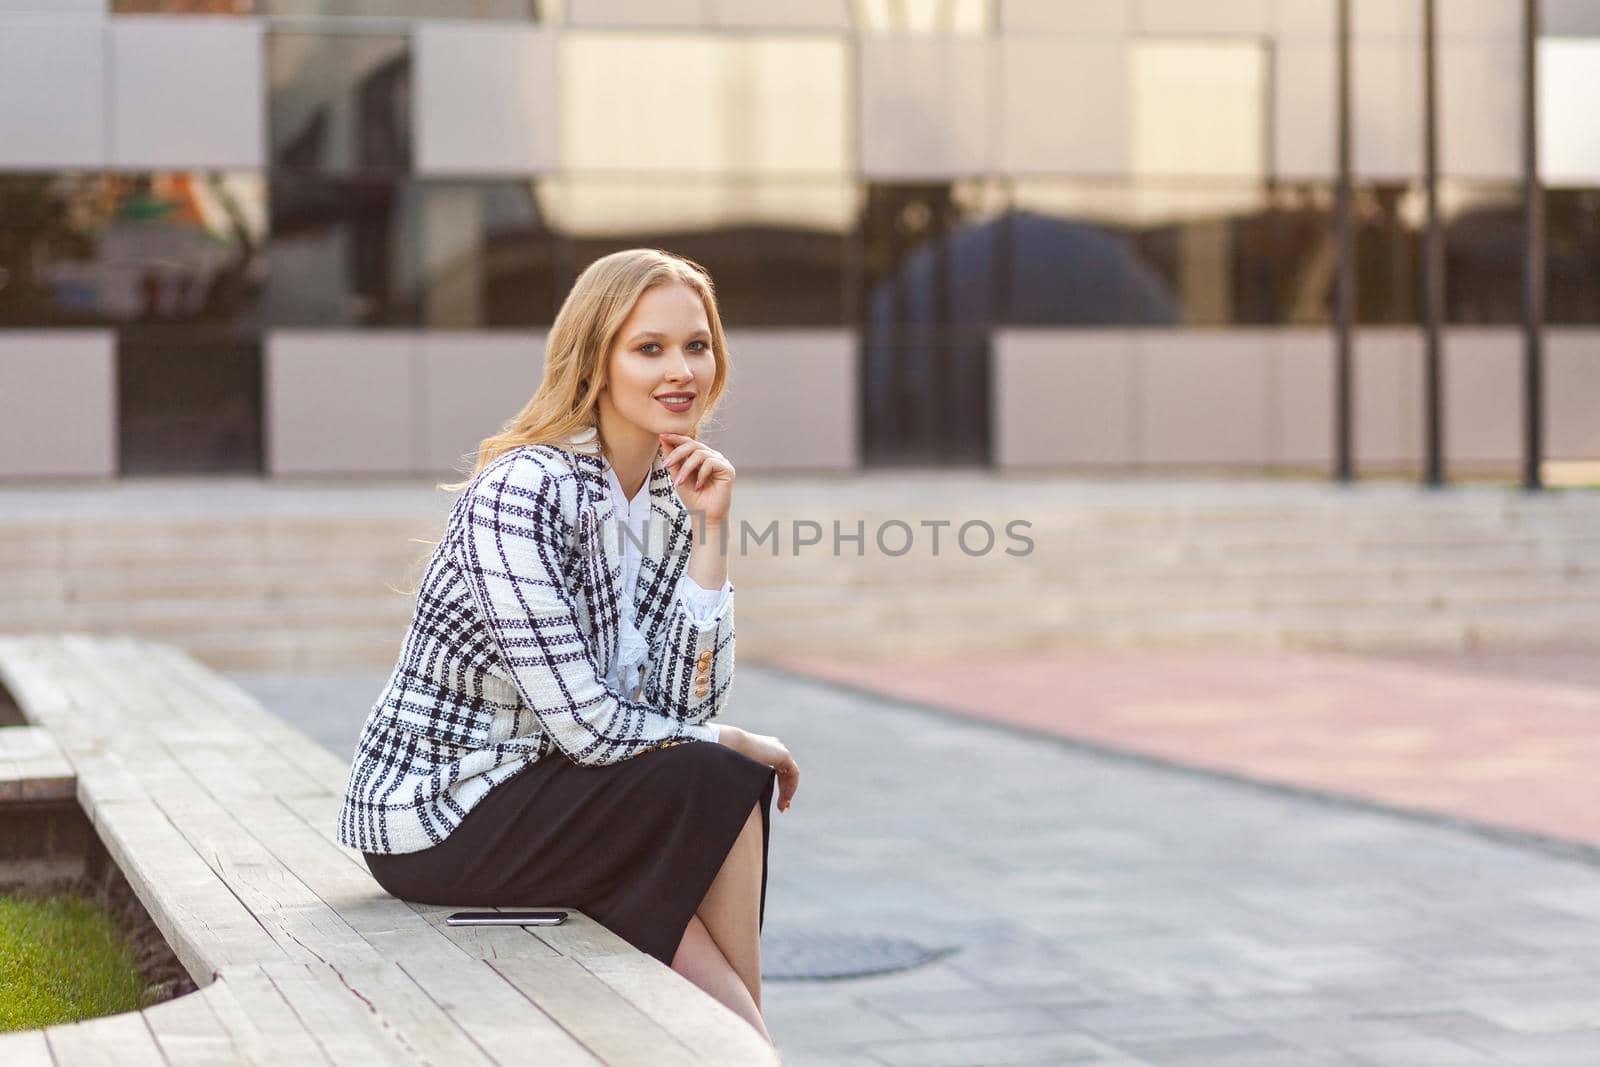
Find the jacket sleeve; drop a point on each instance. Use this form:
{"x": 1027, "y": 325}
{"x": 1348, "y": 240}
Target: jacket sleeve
{"x": 694, "y": 655}
{"x": 511, "y": 549}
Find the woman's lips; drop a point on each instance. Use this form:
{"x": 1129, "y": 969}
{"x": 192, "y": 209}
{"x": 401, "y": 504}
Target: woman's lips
{"x": 677, "y": 405}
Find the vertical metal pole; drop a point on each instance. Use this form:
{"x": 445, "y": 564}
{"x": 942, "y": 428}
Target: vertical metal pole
{"x": 1532, "y": 257}
{"x": 1433, "y": 256}
{"x": 1345, "y": 291}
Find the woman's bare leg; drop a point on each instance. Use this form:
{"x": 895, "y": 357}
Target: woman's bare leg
{"x": 731, "y": 909}
{"x": 700, "y": 960}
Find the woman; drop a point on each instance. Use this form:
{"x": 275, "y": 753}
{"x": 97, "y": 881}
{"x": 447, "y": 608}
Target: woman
{"x": 545, "y": 737}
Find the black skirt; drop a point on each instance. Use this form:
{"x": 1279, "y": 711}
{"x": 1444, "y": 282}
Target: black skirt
{"x": 633, "y": 845}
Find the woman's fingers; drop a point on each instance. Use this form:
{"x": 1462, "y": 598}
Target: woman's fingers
{"x": 788, "y": 783}
{"x": 689, "y": 465}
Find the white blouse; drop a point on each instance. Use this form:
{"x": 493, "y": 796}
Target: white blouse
{"x": 702, "y": 604}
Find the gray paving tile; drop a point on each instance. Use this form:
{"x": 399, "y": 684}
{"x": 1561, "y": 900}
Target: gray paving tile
{"x": 1105, "y": 911}
{"x": 1423, "y": 1052}
{"x": 1060, "y": 1048}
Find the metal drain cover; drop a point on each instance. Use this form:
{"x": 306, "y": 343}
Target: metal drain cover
{"x": 840, "y": 955}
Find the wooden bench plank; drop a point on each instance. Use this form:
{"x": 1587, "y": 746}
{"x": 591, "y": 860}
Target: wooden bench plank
{"x": 617, "y": 1033}
{"x": 711, "y": 1030}
{"x": 498, "y": 1017}
{"x": 223, "y": 818}
{"x": 188, "y": 1032}
{"x": 206, "y": 737}
{"x": 414, "y": 1020}
{"x": 580, "y": 937}
{"x": 33, "y": 767}
{"x": 25, "y": 1048}
{"x": 205, "y": 924}
{"x": 339, "y": 1020}
{"x": 477, "y": 942}
{"x": 388, "y": 924}
{"x": 112, "y": 1041}
{"x": 292, "y": 913}
{"x": 315, "y": 762}
{"x": 484, "y": 942}
{"x": 259, "y": 1021}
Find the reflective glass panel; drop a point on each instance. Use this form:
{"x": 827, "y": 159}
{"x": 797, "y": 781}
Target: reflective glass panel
{"x": 186, "y": 7}
{"x": 932, "y": 286}
{"x": 489, "y": 256}
{"x": 188, "y": 400}
{"x": 339, "y": 103}
{"x": 1568, "y": 100}
{"x": 535, "y": 10}
{"x": 778, "y": 254}
{"x": 1483, "y": 253}
{"x": 1198, "y": 107}
{"x": 737, "y": 105}
{"x": 344, "y": 252}
{"x": 923, "y": 16}
{"x": 1572, "y": 257}
{"x": 1388, "y": 220}
{"x": 78, "y": 250}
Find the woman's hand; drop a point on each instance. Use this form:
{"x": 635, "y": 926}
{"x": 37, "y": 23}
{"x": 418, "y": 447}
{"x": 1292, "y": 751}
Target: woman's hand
{"x": 767, "y": 750}
{"x": 702, "y": 475}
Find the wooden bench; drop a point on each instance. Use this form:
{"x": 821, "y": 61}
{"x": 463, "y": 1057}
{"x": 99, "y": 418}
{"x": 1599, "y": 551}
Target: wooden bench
{"x": 222, "y": 816}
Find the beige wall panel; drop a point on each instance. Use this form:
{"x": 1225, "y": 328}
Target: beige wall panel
{"x": 1083, "y": 86}
{"x": 635, "y": 13}
{"x": 187, "y": 91}
{"x": 1480, "y": 108}
{"x": 791, "y": 401}
{"x": 1572, "y": 394}
{"x": 58, "y": 403}
{"x": 781, "y": 14}
{"x": 1062, "y": 398}
{"x": 1203, "y": 396}
{"x": 1222, "y": 17}
{"x": 52, "y": 84}
{"x": 925, "y": 107}
{"x": 1388, "y": 396}
{"x": 1386, "y": 119}
{"x": 1300, "y": 415}
{"x": 485, "y": 98}
{"x": 1085, "y": 18}
{"x": 1570, "y": 18}
{"x": 1305, "y": 18}
{"x": 1480, "y": 18}
{"x": 470, "y": 384}
{"x": 342, "y": 402}
{"x": 1304, "y": 113}
{"x": 1386, "y": 18}
{"x": 1482, "y": 398}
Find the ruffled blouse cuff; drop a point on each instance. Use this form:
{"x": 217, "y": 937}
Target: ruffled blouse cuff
{"x": 703, "y": 605}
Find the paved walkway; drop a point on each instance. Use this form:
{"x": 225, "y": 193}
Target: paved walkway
{"x": 1448, "y": 736}
{"x": 1110, "y": 910}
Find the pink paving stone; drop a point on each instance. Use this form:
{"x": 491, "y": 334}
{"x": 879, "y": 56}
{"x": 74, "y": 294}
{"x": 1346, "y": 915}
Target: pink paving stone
{"x": 1502, "y": 751}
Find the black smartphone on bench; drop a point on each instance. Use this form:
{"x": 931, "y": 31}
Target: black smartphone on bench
{"x": 507, "y": 918}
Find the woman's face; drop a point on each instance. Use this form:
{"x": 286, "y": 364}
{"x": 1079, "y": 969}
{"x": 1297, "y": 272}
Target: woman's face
{"x": 663, "y": 348}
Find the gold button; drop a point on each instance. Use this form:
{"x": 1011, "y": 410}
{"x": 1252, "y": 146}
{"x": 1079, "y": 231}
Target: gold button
{"x": 702, "y": 691}
{"x": 705, "y": 657}
{"x": 702, "y": 679}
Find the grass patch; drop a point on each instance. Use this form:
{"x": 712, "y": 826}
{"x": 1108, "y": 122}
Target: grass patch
{"x": 63, "y": 959}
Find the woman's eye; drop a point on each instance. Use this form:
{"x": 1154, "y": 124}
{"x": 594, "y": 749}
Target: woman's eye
{"x": 649, "y": 347}
{"x": 701, "y": 344}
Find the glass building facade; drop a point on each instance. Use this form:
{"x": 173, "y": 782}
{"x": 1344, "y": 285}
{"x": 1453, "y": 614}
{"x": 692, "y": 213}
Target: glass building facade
{"x": 936, "y": 215}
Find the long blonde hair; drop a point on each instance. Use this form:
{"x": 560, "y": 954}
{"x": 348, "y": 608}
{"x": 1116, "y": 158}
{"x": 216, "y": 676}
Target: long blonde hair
{"x": 580, "y": 342}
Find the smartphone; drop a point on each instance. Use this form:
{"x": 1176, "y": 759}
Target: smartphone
{"x": 507, "y": 918}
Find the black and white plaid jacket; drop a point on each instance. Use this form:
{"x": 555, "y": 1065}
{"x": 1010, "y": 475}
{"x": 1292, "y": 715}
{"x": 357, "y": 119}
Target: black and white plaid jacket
{"x": 515, "y": 624}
